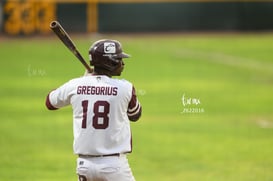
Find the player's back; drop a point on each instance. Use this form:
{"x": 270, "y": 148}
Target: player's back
{"x": 101, "y": 124}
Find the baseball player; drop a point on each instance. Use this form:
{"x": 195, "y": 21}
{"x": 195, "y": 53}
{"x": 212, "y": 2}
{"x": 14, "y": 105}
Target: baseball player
{"x": 102, "y": 110}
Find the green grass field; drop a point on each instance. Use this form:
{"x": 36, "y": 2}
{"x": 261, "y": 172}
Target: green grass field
{"x": 226, "y": 81}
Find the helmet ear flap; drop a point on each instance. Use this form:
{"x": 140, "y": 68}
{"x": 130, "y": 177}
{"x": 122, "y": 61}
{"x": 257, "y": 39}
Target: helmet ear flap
{"x": 92, "y": 58}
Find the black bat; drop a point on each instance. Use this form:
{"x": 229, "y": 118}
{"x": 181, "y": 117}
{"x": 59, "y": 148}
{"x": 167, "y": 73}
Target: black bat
{"x": 67, "y": 41}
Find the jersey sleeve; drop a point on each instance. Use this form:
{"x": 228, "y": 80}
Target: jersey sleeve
{"x": 134, "y": 107}
{"x": 59, "y": 97}
{"x": 48, "y": 103}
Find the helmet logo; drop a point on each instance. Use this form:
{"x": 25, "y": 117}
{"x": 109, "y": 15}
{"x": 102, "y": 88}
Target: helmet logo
{"x": 109, "y": 47}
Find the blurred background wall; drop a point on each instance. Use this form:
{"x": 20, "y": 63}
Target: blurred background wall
{"x": 26, "y": 17}
{"x": 1, "y": 16}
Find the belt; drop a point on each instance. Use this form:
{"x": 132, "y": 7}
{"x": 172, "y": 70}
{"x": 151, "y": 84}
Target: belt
{"x": 91, "y": 156}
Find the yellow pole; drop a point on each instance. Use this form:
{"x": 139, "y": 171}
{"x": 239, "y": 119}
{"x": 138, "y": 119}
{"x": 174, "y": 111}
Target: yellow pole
{"x": 92, "y": 16}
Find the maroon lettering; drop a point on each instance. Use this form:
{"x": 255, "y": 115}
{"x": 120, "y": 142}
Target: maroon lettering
{"x": 93, "y": 90}
{"x": 83, "y": 89}
{"x": 96, "y": 90}
{"x": 88, "y": 90}
{"x": 109, "y": 91}
{"x": 102, "y": 91}
{"x": 115, "y": 91}
{"x": 79, "y": 90}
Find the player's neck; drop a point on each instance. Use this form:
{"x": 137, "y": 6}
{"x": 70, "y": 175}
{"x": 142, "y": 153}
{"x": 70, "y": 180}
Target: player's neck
{"x": 97, "y": 73}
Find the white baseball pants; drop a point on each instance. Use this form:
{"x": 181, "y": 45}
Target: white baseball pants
{"x": 110, "y": 168}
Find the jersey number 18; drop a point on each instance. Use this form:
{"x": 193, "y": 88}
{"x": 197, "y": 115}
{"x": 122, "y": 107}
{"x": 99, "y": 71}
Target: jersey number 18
{"x": 100, "y": 120}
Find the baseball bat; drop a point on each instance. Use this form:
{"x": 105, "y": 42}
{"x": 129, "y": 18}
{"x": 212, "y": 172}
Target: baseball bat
{"x": 67, "y": 41}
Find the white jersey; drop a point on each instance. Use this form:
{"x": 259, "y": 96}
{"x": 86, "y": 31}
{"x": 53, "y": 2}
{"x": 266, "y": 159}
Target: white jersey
{"x": 102, "y": 108}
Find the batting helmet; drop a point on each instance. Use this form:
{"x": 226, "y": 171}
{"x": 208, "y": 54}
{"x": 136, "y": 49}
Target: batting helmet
{"x": 106, "y": 54}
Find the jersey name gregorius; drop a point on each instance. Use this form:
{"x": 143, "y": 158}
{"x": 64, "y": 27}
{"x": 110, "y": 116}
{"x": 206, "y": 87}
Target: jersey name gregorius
{"x": 102, "y": 108}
